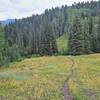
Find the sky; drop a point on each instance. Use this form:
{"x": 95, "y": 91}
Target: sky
{"x": 10, "y": 9}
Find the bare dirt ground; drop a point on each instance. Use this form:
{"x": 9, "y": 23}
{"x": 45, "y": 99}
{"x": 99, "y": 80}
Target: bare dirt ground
{"x": 66, "y": 92}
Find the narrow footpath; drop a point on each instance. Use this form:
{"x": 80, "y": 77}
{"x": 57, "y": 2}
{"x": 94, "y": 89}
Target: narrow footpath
{"x": 66, "y": 92}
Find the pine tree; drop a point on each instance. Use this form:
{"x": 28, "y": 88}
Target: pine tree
{"x": 3, "y": 56}
{"x": 92, "y": 35}
{"x": 87, "y": 47}
{"x": 48, "y": 42}
{"x": 98, "y": 36}
{"x": 76, "y": 37}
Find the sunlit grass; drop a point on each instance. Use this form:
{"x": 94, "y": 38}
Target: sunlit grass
{"x": 86, "y": 85}
{"x": 36, "y": 78}
{"x": 43, "y": 78}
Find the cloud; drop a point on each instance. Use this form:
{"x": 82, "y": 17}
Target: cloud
{"x": 23, "y": 8}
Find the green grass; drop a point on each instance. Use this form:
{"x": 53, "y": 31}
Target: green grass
{"x": 62, "y": 44}
{"x": 42, "y": 78}
{"x": 13, "y": 76}
{"x": 37, "y": 79}
{"x": 85, "y": 83}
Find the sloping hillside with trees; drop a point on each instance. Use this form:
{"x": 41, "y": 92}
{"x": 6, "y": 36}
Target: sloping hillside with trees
{"x": 37, "y": 35}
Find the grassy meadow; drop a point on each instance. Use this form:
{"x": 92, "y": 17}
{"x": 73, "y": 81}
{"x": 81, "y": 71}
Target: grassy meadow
{"x": 85, "y": 82}
{"x": 43, "y": 78}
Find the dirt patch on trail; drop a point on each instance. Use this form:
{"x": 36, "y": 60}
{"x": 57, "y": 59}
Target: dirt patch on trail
{"x": 66, "y": 92}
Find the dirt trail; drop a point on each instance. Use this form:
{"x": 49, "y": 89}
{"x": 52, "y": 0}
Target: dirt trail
{"x": 66, "y": 92}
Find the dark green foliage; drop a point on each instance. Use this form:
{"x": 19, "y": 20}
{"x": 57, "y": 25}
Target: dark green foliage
{"x": 76, "y": 38}
{"x": 98, "y": 36}
{"x": 87, "y": 43}
{"x": 37, "y": 35}
{"x": 89, "y": 30}
{"x": 13, "y": 53}
{"x": 3, "y": 57}
{"x": 48, "y": 42}
{"x": 91, "y": 34}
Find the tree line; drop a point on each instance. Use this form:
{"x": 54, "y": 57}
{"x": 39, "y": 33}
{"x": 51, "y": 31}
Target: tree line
{"x": 36, "y": 35}
{"x": 84, "y": 37}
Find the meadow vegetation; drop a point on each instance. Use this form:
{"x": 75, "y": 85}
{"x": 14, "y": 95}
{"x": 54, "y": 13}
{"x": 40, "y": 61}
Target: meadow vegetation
{"x": 43, "y": 78}
{"x": 85, "y": 82}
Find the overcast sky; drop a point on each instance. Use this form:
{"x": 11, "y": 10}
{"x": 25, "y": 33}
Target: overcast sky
{"x": 10, "y": 9}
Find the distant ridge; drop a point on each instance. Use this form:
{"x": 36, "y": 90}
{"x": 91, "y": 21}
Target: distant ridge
{"x": 6, "y": 22}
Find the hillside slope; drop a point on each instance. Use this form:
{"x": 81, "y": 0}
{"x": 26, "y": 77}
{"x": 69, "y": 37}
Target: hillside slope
{"x": 43, "y": 78}
{"x": 6, "y": 22}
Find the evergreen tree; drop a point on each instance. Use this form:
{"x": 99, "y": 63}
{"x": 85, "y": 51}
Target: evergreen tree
{"x": 92, "y": 35}
{"x": 48, "y": 42}
{"x": 3, "y": 56}
{"x": 37, "y": 34}
{"x": 76, "y": 38}
{"x": 87, "y": 45}
{"x": 98, "y": 36}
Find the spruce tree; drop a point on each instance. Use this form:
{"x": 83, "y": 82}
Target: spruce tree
{"x": 48, "y": 41}
{"x": 98, "y": 36}
{"x": 87, "y": 46}
{"x": 76, "y": 38}
{"x": 3, "y": 56}
{"x": 92, "y": 35}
